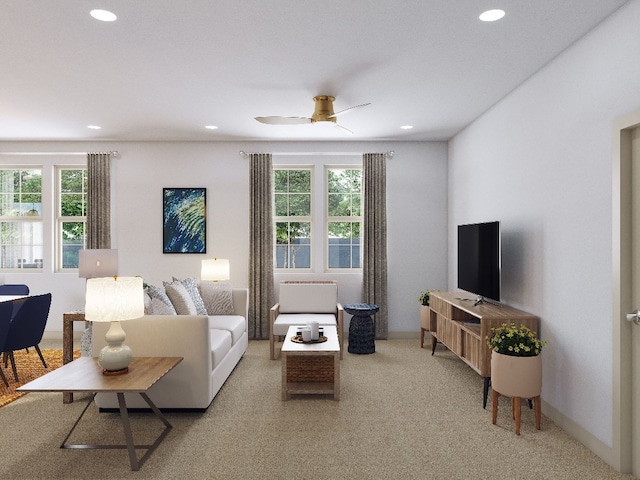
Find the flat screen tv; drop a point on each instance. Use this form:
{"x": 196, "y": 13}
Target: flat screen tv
{"x": 479, "y": 260}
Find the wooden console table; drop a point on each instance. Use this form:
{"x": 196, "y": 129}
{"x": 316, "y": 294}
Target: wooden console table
{"x": 85, "y": 375}
{"x": 463, "y": 328}
{"x": 67, "y": 343}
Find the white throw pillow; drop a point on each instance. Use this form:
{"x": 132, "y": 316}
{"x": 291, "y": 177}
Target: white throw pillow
{"x": 180, "y": 298}
{"x": 192, "y": 288}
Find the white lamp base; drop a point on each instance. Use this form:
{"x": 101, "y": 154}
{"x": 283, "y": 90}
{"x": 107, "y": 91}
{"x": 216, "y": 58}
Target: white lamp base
{"x": 115, "y": 357}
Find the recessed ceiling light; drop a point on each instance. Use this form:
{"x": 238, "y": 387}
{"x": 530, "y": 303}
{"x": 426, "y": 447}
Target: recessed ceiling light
{"x": 103, "y": 15}
{"x": 406, "y": 127}
{"x": 211, "y": 127}
{"x": 94, "y": 127}
{"x": 491, "y": 15}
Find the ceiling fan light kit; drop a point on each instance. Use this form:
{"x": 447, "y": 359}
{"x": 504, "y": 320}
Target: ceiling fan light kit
{"x": 323, "y": 113}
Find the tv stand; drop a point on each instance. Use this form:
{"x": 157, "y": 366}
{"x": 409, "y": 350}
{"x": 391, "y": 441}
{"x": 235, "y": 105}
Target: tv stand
{"x": 463, "y": 328}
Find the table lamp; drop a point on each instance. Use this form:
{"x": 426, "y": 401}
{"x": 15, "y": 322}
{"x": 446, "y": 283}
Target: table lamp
{"x": 97, "y": 262}
{"x": 215, "y": 270}
{"x": 114, "y": 299}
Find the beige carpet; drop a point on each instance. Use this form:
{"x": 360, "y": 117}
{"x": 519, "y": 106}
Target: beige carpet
{"x": 403, "y": 414}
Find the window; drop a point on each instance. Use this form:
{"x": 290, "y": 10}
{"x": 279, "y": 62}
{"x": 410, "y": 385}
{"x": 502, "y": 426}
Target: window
{"x": 71, "y": 217}
{"x": 344, "y": 217}
{"x": 21, "y": 226}
{"x": 292, "y": 217}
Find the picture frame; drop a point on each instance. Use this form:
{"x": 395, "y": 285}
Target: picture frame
{"x": 184, "y": 220}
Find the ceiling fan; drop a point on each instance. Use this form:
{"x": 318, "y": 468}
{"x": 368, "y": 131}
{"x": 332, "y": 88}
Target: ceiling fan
{"x": 323, "y": 113}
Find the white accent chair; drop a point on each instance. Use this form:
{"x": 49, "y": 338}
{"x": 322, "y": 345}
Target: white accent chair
{"x": 302, "y": 302}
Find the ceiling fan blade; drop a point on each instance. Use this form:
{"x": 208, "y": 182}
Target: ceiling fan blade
{"x": 347, "y": 110}
{"x": 344, "y": 129}
{"x": 283, "y": 120}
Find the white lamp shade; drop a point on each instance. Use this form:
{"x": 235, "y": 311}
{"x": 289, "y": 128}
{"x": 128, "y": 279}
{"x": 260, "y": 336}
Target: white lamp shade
{"x": 215, "y": 270}
{"x": 114, "y": 299}
{"x": 98, "y": 262}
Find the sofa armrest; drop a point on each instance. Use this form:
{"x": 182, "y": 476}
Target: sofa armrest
{"x": 241, "y": 302}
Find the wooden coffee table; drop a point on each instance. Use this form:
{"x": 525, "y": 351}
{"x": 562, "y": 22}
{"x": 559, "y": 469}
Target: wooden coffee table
{"x": 311, "y": 368}
{"x": 85, "y": 375}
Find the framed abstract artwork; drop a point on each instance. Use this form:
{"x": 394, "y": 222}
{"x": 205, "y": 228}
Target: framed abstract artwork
{"x": 184, "y": 220}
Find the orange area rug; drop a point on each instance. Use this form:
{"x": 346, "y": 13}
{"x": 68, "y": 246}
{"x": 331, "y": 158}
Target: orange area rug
{"x": 29, "y": 367}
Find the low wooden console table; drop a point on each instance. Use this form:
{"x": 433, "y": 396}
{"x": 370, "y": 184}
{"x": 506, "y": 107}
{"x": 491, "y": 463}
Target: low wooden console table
{"x": 463, "y": 328}
{"x": 85, "y": 375}
{"x": 67, "y": 343}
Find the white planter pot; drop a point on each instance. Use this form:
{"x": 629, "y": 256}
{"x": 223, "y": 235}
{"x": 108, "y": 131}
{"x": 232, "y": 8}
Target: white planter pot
{"x": 425, "y": 315}
{"x": 516, "y": 376}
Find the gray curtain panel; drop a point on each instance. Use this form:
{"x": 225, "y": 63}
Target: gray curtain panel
{"x": 374, "y": 257}
{"x": 98, "y": 200}
{"x": 98, "y": 216}
{"x": 261, "y": 288}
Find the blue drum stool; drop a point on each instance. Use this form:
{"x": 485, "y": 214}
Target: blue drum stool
{"x": 362, "y": 331}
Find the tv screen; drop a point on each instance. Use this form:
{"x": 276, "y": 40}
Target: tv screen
{"x": 479, "y": 259}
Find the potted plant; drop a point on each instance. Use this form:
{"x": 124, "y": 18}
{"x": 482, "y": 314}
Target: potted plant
{"x": 516, "y": 366}
{"x": 423, "y": 298}
{"x": 425, "y": 314}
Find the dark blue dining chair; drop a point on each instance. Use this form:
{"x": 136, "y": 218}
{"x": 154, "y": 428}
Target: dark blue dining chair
{"x": 27, "y": 327}
{"x": 6, "y": 309}
{"x": 14, "y": 289}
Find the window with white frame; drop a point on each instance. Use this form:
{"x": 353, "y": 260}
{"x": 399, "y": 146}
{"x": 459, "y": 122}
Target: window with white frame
{"x": 344, "y": 217}
{"x": 292, "y": 215}
{"x": 71, "y": 215}
{"x": 21, "y": 225}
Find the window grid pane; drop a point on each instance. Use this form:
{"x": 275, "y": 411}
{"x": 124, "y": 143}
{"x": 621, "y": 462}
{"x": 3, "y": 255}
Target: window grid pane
{"x": 292, "y": 218}
{"x": 72, "y": 211}
{"x": 344, "y": 204}
{"x": 21, "y": 227}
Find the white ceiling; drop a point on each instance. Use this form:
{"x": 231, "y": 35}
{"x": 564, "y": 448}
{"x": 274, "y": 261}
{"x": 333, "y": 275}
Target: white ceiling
{"x": 167, "y": 68}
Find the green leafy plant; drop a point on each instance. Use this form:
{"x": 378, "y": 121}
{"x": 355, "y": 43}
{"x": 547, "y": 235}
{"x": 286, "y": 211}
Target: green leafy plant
{"x": 423, "y": 298}
{"x": 521, "y": 341}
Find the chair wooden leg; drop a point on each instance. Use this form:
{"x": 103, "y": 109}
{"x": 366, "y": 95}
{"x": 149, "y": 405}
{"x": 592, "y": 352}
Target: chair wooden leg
{"x": 41, "y": 357}
{"x": 271, "y": 347}
{"x": 517, "y": 408}
{"x": 537, "y": 408}
{"x": 495, "y": 396}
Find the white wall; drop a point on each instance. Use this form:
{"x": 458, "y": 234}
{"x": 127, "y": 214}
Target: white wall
{"x": 416, "y": 203}
{"x": 540, "y": 162}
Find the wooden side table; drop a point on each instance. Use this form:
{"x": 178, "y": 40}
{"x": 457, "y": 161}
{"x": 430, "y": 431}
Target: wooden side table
{"x": 85, "y": 375}
{"x": 67, "y": 343}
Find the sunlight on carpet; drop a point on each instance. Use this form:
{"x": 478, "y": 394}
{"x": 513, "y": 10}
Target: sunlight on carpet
{"x": 29, "y": 367}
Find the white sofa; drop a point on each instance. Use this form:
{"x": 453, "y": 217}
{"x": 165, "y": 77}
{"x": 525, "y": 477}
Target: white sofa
{"x": 211, "y": 346}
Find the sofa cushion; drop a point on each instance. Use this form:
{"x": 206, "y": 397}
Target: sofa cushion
{"x": 180, "y": 298}
{"x": 160, "y": 303}
{"x": 217, "y": 297}
{"x": 220, "y": 345}
{"x": 308, "y": 297}
{"x": 286, "y": 320}
{"x": 235, "y": 324}
{"x": 192, "y": 287}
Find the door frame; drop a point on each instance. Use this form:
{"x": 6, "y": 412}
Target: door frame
{"x": 623, "y": 434}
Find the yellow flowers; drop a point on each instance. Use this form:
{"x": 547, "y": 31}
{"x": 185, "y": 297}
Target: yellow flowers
{"x": 516, "y": 341}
